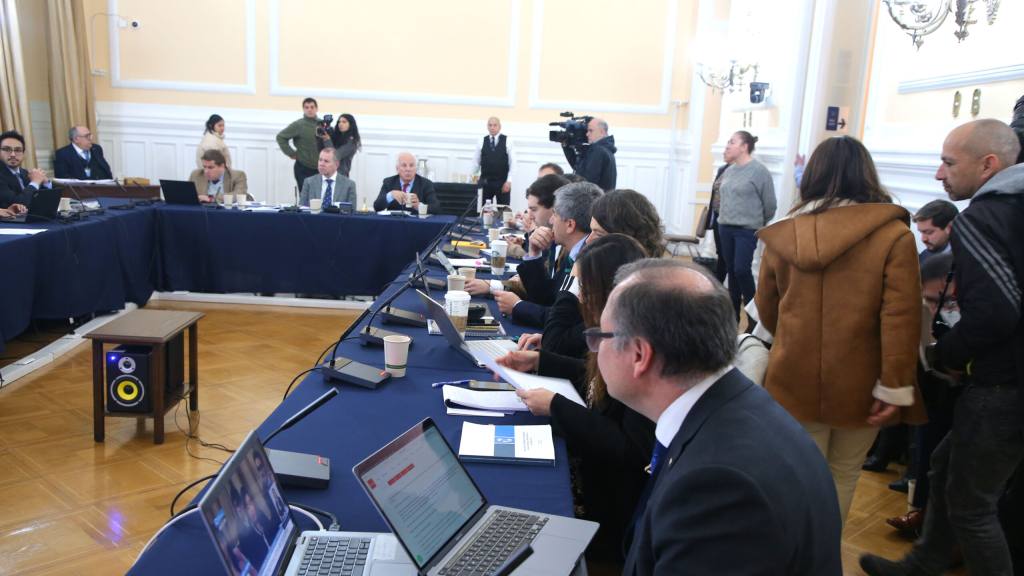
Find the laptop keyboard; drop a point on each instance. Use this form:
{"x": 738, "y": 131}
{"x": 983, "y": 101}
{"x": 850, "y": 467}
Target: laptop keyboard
{"x": 493, "y": 348}
{"x": 505, "y": 532}
{"x": 334, "y": 556}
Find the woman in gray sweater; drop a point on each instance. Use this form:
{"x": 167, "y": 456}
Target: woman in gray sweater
{"x": 747, "y": 204}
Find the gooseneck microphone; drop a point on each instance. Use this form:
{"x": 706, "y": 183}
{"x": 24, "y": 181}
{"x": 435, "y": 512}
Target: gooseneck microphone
{"x": 296, "y": 468}
{"x": 292, "y": 421}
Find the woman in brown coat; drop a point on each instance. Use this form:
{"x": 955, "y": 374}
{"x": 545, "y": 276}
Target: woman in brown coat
{"x": 839, "y": 291}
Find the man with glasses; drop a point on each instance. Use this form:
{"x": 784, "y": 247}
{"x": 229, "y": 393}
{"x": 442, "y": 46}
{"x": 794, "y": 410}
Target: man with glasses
{"x": 16, "y": 183}
{"x": 81, "y": 159}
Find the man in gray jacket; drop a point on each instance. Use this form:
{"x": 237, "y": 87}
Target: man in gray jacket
{"x": 328, "y": 185}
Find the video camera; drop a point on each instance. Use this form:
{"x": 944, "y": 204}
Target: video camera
{"x": 573, "y": 131}
{"x": 325, "y": 125}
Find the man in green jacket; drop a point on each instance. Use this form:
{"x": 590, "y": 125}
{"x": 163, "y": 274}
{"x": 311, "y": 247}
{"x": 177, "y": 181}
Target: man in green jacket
{"x": 302, "y": 134}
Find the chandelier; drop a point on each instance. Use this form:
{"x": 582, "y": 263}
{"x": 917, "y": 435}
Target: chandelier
{"x": 731, "y": 78}
{"x": 919, "y": 18}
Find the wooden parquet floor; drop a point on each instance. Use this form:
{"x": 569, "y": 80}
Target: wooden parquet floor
{"x": 71, "y": 506}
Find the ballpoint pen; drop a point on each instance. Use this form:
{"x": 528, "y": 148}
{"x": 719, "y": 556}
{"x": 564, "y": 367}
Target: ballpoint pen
{"x": 452, "y": 383}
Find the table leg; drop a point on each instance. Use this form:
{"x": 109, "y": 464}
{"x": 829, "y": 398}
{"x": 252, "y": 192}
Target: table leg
{"x": 98, "y": 392}
{"x": 193, "y": 365}
{"x": 156, "y": 376}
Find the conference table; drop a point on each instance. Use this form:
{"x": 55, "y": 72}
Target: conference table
{"x": 100, "y": 263}
{"x": 359, "y": 421}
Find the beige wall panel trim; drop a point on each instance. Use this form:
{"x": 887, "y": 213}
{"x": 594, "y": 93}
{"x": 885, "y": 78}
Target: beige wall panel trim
{"x": 972, "y": 78}
{"x": 117, "y": 81}
{"x": 662, "y": 107}
{"x": 507, "y": 100}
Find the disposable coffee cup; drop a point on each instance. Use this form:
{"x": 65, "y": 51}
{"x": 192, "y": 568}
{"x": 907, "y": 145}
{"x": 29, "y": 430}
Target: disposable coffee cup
{"x": 456, "y": 283}
{"x": 422, "y": 208}
{"x": 492, "y": 234}
{"x": 315, "y": 204}
{"x": 456, "y": 304}
{"x": 499, "y": 251}
{"x": 467, "y": 273}
{"x": 488, "y": 219}
{"x": 65, "y": 205}
{"x": 396, "y": 354}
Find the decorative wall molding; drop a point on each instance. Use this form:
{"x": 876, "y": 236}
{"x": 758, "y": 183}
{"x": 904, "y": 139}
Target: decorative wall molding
{"x": 249, "y": 87}
{"x": 972, "y": 78}
{"x": 535, "y": 101}
{"x": 507, "y": 100}
{"x": 42, "y": 133}
{"x": 159, "y": 141}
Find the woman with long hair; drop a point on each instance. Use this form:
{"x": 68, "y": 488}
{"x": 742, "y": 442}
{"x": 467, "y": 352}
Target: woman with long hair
{"x": 839, "y": 291}
{"x": 628, "y": 212}
{"x": 213, "y": 139}
{"x": 344, "y": 138}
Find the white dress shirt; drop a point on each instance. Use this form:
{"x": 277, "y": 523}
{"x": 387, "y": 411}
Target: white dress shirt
{"x": 508, "y": 148}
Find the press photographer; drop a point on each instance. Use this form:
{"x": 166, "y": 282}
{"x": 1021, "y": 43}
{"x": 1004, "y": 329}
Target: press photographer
{"x": 588, "y": 148}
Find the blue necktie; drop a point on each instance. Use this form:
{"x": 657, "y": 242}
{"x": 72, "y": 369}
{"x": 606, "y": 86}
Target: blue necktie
{"x": 88, "y": 157}
{"x": 656, "y": 456}
{"x": 327, "y": 193}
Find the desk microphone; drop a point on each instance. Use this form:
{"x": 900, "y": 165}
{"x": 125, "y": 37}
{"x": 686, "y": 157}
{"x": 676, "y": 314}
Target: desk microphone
{"x": 296, "y": 468}
{"x": 462, "y": 230}
{"x": 295, "y": 207}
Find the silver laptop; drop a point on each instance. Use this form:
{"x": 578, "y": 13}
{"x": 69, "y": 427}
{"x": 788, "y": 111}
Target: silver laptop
{"x": 475, "y": 350}
{"x": 443, "y": 260}
{"x": 255, "y": 534}
{"x": 445, "y": 524}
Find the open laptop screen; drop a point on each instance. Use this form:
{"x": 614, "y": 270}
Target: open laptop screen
{"x": 421, "y": 489}
{"x": 245, "y": 514}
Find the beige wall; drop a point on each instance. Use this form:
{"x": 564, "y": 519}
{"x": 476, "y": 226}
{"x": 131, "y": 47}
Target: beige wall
{"x": 456, "y": 47}
{"x": 32, "y": 24}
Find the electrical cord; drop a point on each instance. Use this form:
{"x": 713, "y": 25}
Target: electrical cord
{"x": 191, "y": 435}
{"x": 334, "y": 526}
{"x": 294, "y": 380}
{"x": 185, "y": 489}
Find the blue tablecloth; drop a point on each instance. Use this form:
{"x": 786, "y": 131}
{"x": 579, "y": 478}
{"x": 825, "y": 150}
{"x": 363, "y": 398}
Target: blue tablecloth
{"x": 355, "y": 424}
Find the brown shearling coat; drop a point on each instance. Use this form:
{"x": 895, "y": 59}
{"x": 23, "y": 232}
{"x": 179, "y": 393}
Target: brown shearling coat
{"x": 841, "y": 293}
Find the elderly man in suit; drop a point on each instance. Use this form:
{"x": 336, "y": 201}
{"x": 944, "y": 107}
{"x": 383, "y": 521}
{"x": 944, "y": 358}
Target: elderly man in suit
{"x": 737, "y": 486}
{"x": 407, "y": 189}
{"x": 328, "y": 184}
{"x": 16, "y": 183}
{"x": 216, "y": 179}
{"x": 81, "y": 159}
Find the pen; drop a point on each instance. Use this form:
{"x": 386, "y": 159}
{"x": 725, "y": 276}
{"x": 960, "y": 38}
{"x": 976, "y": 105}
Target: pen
{"x": 452, "y": 383}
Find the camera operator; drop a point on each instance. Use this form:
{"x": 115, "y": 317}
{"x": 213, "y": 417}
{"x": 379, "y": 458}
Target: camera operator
{"x": 343, "y": 137}
{"x": 595, "y": 162}
{"x": 303, "y": 135}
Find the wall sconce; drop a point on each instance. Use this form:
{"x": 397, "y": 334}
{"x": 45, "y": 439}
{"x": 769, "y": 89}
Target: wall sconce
{"x": 919, "y": 18}
{"x": 732, "y": 78}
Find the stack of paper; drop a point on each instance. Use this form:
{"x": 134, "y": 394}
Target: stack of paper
{"x": 507, "y": 444}
{"x": 465, "y": 402}
{"x": 524, "y": 381}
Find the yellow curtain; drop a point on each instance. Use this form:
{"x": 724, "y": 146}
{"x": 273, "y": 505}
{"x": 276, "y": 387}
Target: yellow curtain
{"x": 14, "y": 111}
{"x": 72, "y": 98}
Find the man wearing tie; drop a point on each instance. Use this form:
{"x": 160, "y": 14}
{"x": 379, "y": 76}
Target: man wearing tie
{"x": 81, "y": 159}
{"x": 494, "y": 161}
{"x": 216, "y": 179}
{"x": 328, "y": 184}
{"x": 407, "y": 189}
{"x": 17, "y": 184}
{"x": 736, "y": 485}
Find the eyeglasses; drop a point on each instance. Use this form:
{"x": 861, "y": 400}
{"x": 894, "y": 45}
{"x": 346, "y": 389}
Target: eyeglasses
{"x": 594, "y": 337}
{"x": 9, "y": 150}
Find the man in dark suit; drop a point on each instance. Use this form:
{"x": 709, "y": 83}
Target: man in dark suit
{"x": 16, "y": 183}
{"x": 407, "y": 189}
{"x": 81, "y": 159}
{"x": 737, "y": 486}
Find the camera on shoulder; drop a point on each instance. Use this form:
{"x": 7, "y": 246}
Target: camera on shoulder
{"x": 324, "y": 127}
{"x": 573, "y": 131}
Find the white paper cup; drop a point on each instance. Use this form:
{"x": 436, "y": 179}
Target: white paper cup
{"x": 422, "y": 208}
{"x": 456, "y": 304}
{"x": 492, "y": 234}
{"x": 315, "y": 204}
{"x": 499, "y": 251}
{"x": 396, "y": 354}
{"x": 467, "y": 273}
{"x": 488, "y": 219}
{"x": 456, "y": 283}
{"x": 65, "y": 205}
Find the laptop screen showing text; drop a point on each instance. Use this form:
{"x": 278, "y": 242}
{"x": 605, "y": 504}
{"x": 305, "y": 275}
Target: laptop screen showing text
{"x": 423, "y": 491}
{"x": 246, "y": 515}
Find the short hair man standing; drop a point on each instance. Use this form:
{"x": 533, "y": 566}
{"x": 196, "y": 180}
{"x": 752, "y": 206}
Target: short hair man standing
{"x": 597, "y": 162}
{"x": 935, "y": 223}
{"x": 81, "y": 159}
{"x": 215, "y": 178}
{"x": 495, "y": 160}
{"x": 735, "y": 481}
{"x": 407, "y": 188}
{"x": 16, "y": 183}
{"x": 328, "y": 184}
{"x": 302, "y": 134}
{"x": 972, "y": 464}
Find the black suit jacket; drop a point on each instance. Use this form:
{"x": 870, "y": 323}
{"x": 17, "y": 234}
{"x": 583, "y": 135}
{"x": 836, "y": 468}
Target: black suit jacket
{"x": 68, "y": 164}
{"x": 541, "y": 289}
{"x": 10, "y": 190}
{"x": 741, "y": 490}
{"x": 421, "y": 187}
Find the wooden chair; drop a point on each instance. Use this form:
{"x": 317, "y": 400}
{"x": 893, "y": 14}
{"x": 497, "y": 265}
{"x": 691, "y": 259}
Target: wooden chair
{"x": 691, "y": 243}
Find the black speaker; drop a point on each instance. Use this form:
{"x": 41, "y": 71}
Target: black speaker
{"x": 128, "y": 376}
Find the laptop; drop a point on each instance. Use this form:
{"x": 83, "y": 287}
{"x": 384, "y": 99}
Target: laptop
{"x": 476, "y": 351}
{"x": 255, "y": 534}
{"x": 180, "y": 192}
{"x": 445, "y": 523}
{"x": 42, "y": 208}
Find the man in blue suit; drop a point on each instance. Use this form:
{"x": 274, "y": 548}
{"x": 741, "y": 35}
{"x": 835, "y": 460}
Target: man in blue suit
{"x": 737, "y": 486}
{"x": 81, "y": 159}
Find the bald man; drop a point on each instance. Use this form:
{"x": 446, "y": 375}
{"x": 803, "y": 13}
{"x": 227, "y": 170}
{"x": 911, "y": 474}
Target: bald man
{"x": 81, "y": 158}
{"x": 494, "y": 160}
{"x": 736, "y": 482}
{"x": 407, "y": 189}
{"x": 972, "y": 464}
{"x": 596, "y": 163}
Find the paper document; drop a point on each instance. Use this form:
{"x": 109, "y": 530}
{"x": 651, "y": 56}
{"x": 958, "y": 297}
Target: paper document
{"x": 468, "y": 412}
{"x": 505, "y": 443}
{"x": 77, "y": 182}
{"x": 497, "y": 401}
{"x": 20, "y": 231}
{"x": 531, "y": 381}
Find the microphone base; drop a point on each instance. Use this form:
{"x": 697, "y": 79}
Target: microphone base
{"x": 375, "y": 336}
{"x": 391, "y": 315}
{"x": 299, "y": 470}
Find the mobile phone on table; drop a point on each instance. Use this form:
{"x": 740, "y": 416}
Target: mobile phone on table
{"x": 489, "y": 385}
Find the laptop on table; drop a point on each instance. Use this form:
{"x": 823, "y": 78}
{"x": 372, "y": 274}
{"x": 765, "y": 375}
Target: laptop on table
{"x": 42, "y": 208}
{"x": 477, "y": 351}
{"x": 180, "y": 192}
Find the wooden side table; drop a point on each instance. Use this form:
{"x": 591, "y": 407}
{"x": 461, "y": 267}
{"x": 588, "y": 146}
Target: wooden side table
{"x": 153, "y": 328}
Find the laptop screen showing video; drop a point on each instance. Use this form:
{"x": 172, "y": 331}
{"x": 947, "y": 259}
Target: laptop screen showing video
{"x": 246, "y": 515}
{"x": 421, "y": 489}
